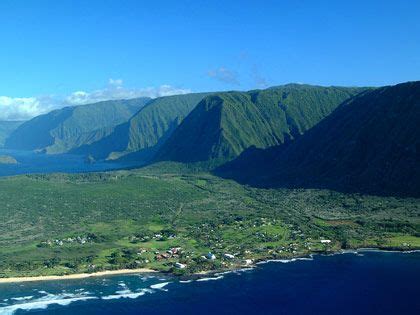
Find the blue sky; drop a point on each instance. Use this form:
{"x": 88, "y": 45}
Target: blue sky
{"x": 108, "y": 49}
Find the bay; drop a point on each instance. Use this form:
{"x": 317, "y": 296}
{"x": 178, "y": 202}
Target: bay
{"x": 30, "y": 162}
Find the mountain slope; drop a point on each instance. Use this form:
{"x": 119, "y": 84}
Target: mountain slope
{"x": 6, "y": 128}
{"x": 142, "y": 135}
{"x": 62, "y": 130}
{"x": 225, "y": 124}
{"x": 369, "y": 144}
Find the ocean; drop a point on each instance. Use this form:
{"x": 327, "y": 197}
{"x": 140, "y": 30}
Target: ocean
{"x": 30, "y": 162}
{"x": 363, "y": 282}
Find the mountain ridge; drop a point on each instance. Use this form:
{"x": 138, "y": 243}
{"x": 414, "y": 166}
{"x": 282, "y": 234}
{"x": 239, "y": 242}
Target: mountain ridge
{"x": 369, "y": 144}
{"x": 6, "y": 128}
{"x": 225, "y": 124}
{"x": 144, "y": 132}
{"x": 62, "y": 130}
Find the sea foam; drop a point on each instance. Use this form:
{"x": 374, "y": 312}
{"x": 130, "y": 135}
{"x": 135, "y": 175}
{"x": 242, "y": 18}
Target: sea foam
{"x": 126, "y": 295}
{"x": 159, "y": 286}
{"x": 23, "y": 298}
{"x": 44, "y": 302}
{"x": 210, "y": 279}
{"x": 185, "y": 281}
{"x": 285, "y": 261}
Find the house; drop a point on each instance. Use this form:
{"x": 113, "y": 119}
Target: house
{"x": 162, "y": 256}
{"x": 180, "y": 266}
{"x": 325, "y": 241}
{"x": 228, "y": 256}
{"x": 210, "y": 256}
{"x": 174, "y": 251}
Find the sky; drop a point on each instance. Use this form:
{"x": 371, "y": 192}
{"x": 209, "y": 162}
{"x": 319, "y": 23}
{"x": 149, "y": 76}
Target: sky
{"x": 61, "y": 53}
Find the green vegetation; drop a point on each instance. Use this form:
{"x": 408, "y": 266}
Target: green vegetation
{"x": 7, "y": 159}
{"x": 223, "y": 125}
{"x": 62, "y": 224}
{"x": 140, "y": 137}
{"x": 369, "y": 144}
{"x": 69, "y": 128}
{"x": 298, "y": 149}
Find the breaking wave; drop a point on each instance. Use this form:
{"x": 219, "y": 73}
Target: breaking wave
{"x": 44, "y": 302}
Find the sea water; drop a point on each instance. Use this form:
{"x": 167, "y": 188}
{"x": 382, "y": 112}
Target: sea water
{"x": 31, "y": 162}
{"x": 364, "y": 282}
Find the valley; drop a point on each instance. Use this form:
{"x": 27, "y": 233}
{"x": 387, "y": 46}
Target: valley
{"x": 211, "y": 181}
{"x": 209, "y": 157}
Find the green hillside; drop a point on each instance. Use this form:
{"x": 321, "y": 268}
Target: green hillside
{"x": 225, "y": 124}
{"x": 62, "y": 130}
{"x": 6, "y": 128}
{"x": 370, "y": 144}
{"x": 140, "y": 137}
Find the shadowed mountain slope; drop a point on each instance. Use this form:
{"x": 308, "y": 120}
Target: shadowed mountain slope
{"x": 224, "y": 124}
{"x": 6, "y": 128}
{"x": 143, "y": 134}
{"x": 369, "y": 144}
{"x": 65, "y": 129}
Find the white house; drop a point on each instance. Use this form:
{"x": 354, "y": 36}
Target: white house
{"x": 180, "y": 266}
{"x": 210, "y": 256}
{"x": 228, "y": 256}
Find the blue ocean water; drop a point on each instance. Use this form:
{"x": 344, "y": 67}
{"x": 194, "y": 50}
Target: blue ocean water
{"x": 31, "y": 162}
{"x": 367, "y": 282}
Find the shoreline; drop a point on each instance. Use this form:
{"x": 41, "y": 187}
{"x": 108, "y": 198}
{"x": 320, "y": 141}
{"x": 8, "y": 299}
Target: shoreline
{"x": 198, "y": 274}
{"x": 76, "y": 275}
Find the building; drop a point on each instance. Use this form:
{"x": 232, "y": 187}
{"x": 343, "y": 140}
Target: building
{"x": 228, "y": 256}
{"x": 180, "y": 266}
{"x": 210, "y": 256}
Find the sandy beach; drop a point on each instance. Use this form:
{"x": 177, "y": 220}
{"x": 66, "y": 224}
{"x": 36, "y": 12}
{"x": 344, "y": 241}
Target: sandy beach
{"x": 76, "y": 276}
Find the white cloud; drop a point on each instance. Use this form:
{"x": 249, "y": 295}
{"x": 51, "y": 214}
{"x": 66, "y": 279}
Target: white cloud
{"x": 115, "y": 91}
{"x": 225, "y": 75}
{"x": 19, "y": 108}
{"x": 27, "y": 108}
{"x": 115, "y": 82}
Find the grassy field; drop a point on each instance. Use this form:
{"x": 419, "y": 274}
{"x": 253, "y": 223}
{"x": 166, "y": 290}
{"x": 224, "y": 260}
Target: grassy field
{"x": 62, "y": 224}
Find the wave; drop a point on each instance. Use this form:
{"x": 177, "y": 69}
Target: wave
{"x": 378, "y": 250}
{"x": 29, "y": 303}
{"x": 159, "y": 286}
{"x": 285, "y": 261}
{"x": 146, "y": 277}
{"x": 23, "y": 298}
{"x": 411, "y": 251}
{"x": 44, "y": 302}
{"x": 210, "y": 279}
{"x": 126, "y": 295}
{"x": 234, "y": 271}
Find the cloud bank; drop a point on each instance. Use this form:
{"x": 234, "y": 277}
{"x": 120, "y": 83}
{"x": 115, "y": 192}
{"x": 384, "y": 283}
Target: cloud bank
{"x": 24, "y": 108}
{"x": 16, "y": 108}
